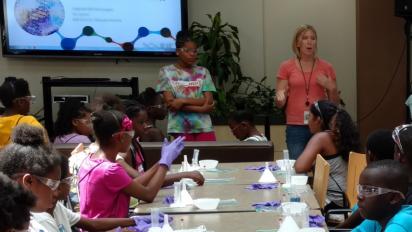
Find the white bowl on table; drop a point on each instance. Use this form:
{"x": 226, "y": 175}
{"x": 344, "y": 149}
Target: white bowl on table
{"x": 206, "y": 203}
{"x": 208, "y": 164}
{"x": 282, "y": 164}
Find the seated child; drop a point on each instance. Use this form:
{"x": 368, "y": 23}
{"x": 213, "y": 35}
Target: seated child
{"x": 100, "y": 175}
{"x": 381, "y": 198}
{"x": 30, "y": 163}
{"x": 379, "y": 146}
{"x": 60, "y": 218}
{"x": 156, "y": 110}
{"x": 16, "y": 98}
{"x": 334, "y": 137}
{"x": 242, "y": 126}
{"x": 16, "y": 203}
{"x": 73, "y": 124}
{"x": 133, "y": 160}
{"x": 402, "y": 136}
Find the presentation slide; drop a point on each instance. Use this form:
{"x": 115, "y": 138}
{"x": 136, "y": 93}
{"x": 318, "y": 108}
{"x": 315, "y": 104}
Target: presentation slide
{"x": 93, "y": 25}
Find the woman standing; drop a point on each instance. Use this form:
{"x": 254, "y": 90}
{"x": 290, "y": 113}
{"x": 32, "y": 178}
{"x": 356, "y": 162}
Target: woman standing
{"x": 301, "y": 81}
{"x": 187, "y": 90}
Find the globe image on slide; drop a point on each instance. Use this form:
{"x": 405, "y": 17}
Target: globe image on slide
{"x": 39, "y": 17}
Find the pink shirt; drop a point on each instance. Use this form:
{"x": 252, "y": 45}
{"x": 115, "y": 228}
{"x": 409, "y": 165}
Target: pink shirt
{"x": 289, "y": 70}
{"x": 101, "y": 185}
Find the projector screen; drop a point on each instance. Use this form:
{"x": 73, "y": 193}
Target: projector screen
{"x": 97, "y": 28}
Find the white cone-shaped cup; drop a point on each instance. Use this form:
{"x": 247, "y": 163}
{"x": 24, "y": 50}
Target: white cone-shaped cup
{"x": 267, "y": 176}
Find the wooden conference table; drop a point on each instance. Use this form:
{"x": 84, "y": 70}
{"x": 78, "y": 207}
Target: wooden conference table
{"x": 236, "y": 213}
{"x": 239, "y": 222}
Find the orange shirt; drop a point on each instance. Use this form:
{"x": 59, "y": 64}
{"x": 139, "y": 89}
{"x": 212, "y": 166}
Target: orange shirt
{"x": 289, "y": 70}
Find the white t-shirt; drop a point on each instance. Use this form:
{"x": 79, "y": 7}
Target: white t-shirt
{"x": 36, "y": 226}
{"x": 257, "y": 138}
{"x": 63, "y": 219}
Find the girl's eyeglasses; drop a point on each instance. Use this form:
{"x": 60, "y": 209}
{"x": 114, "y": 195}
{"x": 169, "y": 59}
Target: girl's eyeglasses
{"x": 189, "y": 50}
{"x": 52, "y": 184}
{"x": 395, "y": 135}
{"x": 371, "y": 191}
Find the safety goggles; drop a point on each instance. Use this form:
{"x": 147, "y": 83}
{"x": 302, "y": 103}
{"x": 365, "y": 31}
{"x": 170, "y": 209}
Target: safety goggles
{"x": 371, "y": 191}
{"x": 316, "y": 104}
{"x": 52, "y": 184}
{"x": 159, "y": 106}
{"x": 67, "y": 180}
{"x": 30, "y": 98}
{"x": 395, "y": 135}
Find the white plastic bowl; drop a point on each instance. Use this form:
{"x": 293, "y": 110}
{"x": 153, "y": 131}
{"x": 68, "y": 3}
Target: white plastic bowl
{"x": 299, "y": 180}
{"x": 282, "y": 164}
{"x": 290, "y": 208}
{"x": 206, "y": 203}
{"x": 208, "y": 164}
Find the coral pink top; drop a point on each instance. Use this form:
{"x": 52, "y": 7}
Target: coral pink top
{"x": 101, "y": 185}
{"x": 296, "y": 104}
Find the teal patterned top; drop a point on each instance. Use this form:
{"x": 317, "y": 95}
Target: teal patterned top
{"x": 186, "y": 84}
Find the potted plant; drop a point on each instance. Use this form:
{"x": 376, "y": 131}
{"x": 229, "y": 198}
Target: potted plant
{"x": 219, "y": 49}
{"x": 219, "y": 46}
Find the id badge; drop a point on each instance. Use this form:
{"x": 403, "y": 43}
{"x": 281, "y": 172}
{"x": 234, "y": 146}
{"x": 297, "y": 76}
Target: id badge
{"x": 306, "y": 117}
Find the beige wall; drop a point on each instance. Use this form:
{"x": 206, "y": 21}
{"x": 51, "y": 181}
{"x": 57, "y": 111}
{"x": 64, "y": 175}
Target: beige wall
{"x": 266, "y": 28}
{"x": 335, "y": 21}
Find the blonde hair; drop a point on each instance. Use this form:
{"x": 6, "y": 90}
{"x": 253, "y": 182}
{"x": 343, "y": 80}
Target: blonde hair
{"x": 299, "y": 31}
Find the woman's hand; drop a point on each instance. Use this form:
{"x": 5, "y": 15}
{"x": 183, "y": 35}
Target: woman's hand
{"x": 282, "y": 87}
{"x": 280, "y": 95}
{"x": 325, "y": 82}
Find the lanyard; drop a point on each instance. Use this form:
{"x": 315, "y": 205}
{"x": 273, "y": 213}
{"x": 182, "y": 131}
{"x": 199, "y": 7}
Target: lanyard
{"x": 307, "y": 85}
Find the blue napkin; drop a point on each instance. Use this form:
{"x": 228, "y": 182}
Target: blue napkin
{"x": 272, "y": 167}
{"x": 316, "y": 221}
{"x": 169, "y": 200}
{"x": 267, "y": 204}
{"x": 258, "y": 186}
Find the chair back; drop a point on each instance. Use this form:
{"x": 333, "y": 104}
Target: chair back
{"x": 356, "y": 164}
{"x": 321, "y": 180}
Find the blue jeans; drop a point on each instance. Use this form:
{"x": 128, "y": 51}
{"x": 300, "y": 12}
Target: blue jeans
{"x": 296, "y": 139}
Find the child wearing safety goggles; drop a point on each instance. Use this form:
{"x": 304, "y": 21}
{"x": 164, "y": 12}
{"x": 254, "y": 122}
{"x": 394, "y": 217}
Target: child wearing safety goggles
{"x": 381, "y": 198}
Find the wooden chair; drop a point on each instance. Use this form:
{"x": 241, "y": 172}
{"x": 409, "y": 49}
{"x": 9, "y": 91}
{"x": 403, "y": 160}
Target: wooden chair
{"x": 356, "y": 164}
{"x": 321, "y": 179}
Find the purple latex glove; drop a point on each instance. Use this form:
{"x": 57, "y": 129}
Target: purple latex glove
{"x": 257, "y": 186}
{"x": 272, "y": 167}
{"x": 143, "y": 223}
{"x": 168, "y": 200}
{"x": 267, "y": 204}
{"x": 170, "y": 151}
{"x": 316, "y": 221}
